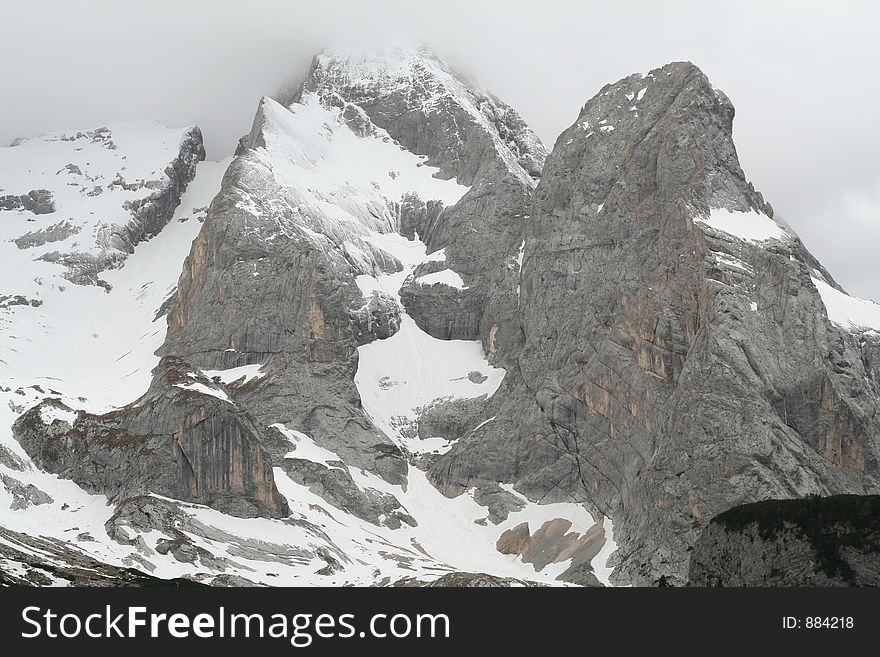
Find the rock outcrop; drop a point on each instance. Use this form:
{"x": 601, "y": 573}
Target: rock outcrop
{"x": 182, "y": 444}
{"x": 38, "y": 201}
{"x": 44, "y": 562}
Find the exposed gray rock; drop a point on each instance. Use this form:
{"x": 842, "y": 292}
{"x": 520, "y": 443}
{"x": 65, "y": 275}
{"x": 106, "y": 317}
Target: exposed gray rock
{"x": 640, "y": 378}
{"x": 465, "y": 580}
{"x": 443, "y": 311}
{"x": 417, "y": 215}
{"x": 46, "y": 561}
{"x": 499, "y": 502}
{"x": 233, "y": 581}
{"x": 9, "y": 300}
{"x": 144, "y": 514}
{"x": 152, "y": 213}
{"x": 452, "y": 420}
{"x": 11, "y": 460}
{"x": 37, "y": 201}
{"x": 377, "y": 319}
{"x": 185, "y": 551}
{"x": 54, "y": 233}
{"x": 84, "y": 268}
{"x": 181, "y": 443}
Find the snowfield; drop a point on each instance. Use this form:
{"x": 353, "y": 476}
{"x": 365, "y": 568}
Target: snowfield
{"x": 102, "y": 359}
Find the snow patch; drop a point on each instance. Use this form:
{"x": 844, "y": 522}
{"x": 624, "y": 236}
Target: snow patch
{"x": 306, "y": 448}
{"x": 235, "y": 374}
{"x": 519, "y": 261}
{"x": 313, "y": 149}
{"x": 750, "y": 226}
{"x": 400, "y": 376}
{"x": 48, "y": 414}
{"x": 850, "y": 313}
{"x": 483, "y": 423}
{"x": 445, "y": 277}
{"x": 732, "y": 261}
{"x": 203, "y": 389}
{"x": 600, "y": 562}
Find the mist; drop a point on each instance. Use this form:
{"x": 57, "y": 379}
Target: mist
{"x": 802, "y": 76}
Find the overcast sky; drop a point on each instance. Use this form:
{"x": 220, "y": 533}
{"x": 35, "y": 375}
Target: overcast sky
{"x": 803, "y": 76}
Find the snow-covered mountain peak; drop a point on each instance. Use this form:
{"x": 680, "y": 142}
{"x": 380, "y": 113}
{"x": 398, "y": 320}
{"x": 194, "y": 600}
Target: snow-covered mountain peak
{"x": 429, "y": 109}
{"x": 383, "y": 63}
{"x": 331, "y": 177}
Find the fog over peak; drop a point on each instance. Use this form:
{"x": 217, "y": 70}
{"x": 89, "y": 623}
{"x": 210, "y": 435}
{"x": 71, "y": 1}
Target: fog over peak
{"x": 800, "y": 75}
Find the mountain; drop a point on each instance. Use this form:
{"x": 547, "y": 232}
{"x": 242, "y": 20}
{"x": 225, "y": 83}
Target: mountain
{"x": 681, "y": 351}
{"x": 408, "y": 345}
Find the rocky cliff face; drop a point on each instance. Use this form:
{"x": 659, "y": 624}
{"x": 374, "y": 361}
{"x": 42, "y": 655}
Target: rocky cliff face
{"x": 402, "y": 315}
{"x": 676, "y": 355}
{"x": 831, "y": 541}
{"x": 209, "y": 454}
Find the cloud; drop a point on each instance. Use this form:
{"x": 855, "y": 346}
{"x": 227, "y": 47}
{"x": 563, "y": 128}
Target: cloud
{"x": 801, "y": 75}
{"x": 844, "y": 233}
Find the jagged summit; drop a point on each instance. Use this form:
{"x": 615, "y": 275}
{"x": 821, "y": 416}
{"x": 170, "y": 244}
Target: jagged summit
{"x": 428, "y": 108}
{"x": 380, "y": 64}
{"x": 677, "y": 105}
